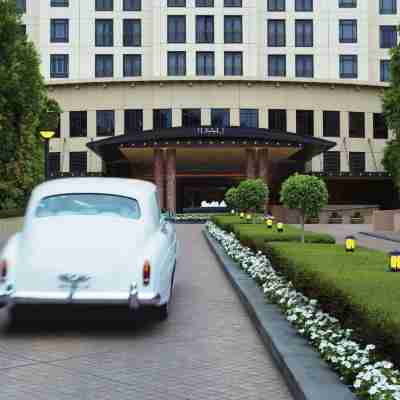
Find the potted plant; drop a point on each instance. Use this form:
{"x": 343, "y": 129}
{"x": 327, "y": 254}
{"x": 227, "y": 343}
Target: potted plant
{"x": 335, "y": 218}
{"x": 357, "y": 218}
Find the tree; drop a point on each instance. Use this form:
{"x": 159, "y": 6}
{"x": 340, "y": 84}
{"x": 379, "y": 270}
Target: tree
{"x": 231, "y": 198}
{"x": 252, "y": 195}
{"x": 391, "y": 110}
{"x": 23, "y": 101}
{"x": 308, "y": 194}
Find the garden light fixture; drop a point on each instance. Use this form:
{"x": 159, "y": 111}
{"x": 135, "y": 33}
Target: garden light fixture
{"x": 233, "y": 212}
{"x": 394, "y": 263}
{"x": 279, "y": 227}
{"x": 350, "y": 244}
{"x": 242, "y": 215}
{"x": 269, "y": 223}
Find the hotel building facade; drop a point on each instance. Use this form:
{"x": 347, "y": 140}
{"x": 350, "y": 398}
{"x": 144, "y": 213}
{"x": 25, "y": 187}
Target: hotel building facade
{"x": 199, "y": 94}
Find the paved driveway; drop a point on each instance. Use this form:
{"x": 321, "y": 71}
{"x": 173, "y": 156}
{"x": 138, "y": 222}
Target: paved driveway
{"x": 208, "y": 349}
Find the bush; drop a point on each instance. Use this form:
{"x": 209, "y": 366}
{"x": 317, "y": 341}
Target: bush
{"x": 12, "y": 213}
{"x": 252, "y": 195}
{"x": 231, "y": 199}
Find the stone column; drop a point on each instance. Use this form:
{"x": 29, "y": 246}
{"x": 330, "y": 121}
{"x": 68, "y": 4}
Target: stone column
{"x": 171, "y": 180}
{"x": 158, "y": 164}
{"x": 263, "y": 160}
{"x": 251, "y": 163}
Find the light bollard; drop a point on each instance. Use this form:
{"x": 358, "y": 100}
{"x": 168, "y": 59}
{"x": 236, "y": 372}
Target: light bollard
{"x": 394, "y": 261}
{"x": 269, "y": 223}
{"x": 279, "y": 227}
{"x": 350, "y": 244}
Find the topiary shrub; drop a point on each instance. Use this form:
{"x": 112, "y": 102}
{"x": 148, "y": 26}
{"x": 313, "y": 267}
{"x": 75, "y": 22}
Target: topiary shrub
{"x": 231, "y": 198}
{"x": 252, "y": 195}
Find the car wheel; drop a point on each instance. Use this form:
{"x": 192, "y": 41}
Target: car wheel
{"x": 162, "y": 312}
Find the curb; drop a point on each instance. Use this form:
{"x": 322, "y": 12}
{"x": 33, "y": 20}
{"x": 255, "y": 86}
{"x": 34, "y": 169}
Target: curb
{"x": 380, "y": 236}
{"x": 306, "y": 374}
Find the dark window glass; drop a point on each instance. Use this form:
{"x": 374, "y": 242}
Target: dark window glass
{"x": 388, "y": 36}
{"x": 304, "y": 5}
{"x": 348, "y": 31}
{"x": 304, "y": 33}
{"x": 304, "y": 66}
{"x": 205, "y": 63}
{"x": 305, "y": 122}
{"x": 347, "y": 3}
{"x": 132, "y": 32}
{"x": 348, "y": 66}
{"x": 54, "y": 163}
{"x": 104, "y": 65}
{"x": 232, "y": 3}
{"x": 176, "y": 3}
{"x": 276, "y": 5}
{"x": 233, "y": 63}
{"x": 277, "y": 120}
{"x": 176, "y": 28}
{"x": 133, "y": 121}
{"x": 276, "y": 65}
{"x": 132, "y": 5}
{"x": 104, "y": 33}
{"x": 233, "y": 29}
{"x": 332, "y": 162}
{"x": 204, "y": 29}
{"x": 385, "y": 70}
{"x": 176, "y": 63}
{"x": 59, "y": 65}
{"x": 162, "y": 118}
{"x": 356, "y": 124}
{"x": 105, "y": 123}
{"x": 132, "y": 65}
{"x": 78, "y": 162}
{"x": 276, "y": 33}
{"x": 248, "y": 118}
{"x": 21, "y": 5}
{"x": 104, "y": 5}
{"x": 220, "y": 118}
{"x": 380, "y": 127}
{"x": 387, "y": 6}
{"x": 59, "y": 3}
{"x": 59, "y": 30}
{"x": 331, "y": 123}
{"x": 357, "y": 162}
{"x": 191, "y": 117}
{"x": 77, "y": 124}
{"x": 204, "y": 3}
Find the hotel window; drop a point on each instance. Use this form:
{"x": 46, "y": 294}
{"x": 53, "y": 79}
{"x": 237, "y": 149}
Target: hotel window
{"x": 78, "y": 124}
{"x": 54, "y": 163}
{"x": 162, "y": 118}
{"x": 133, "y": 121}
{"x": 385, "y": 70}
{"x": 220, "y": 118}
{"x": 191, "y": 117}
{"x": 380, "y": 127}
{"x": 204, "y": 3}
{"x": 304, "y": 33}
{"x": 304, "y": 5}
{"x": 59, "y": 31}
{"x": 59, "y": 65}
{"x": 205, "y": 63}
{"x": 348, "y": 31}
{"x": 176, "y": 3}
{"x": 176, "y": 28}
{"x": 233, "y": 29}
{"x": 59, "y": 3}
{"x": 276, "y": 5}
{"x": 304, "y": 66}
{"x": 132, "y": 32}
{"x": 276, "y": 33}
{"x": 232, "y": 3}
{"x": 277, "y": 120}
{"x": 387, "y": 6}
{"x": 78, "y": 162}
{"x": 21, "y": 5}
{"x": 347, "y": 3}
{"x": 356, "y": 162}
{"x": 104, "y": 33}
{"x": 248, "y": 118}
{"x": 305, "y": 122}
{"x": 332, "y": 162}
{"x": 132, "y": 65}
{"x": 204, "y": 29}
{"x": 348, "y": 66}
{"x": 176, "y": 63}
{"x": 356, "y": 125}
{"x": 104, "y": 5}
{"x": 331, "y": 123}
{"x": 105, "y": 123}
{"x": 132, "y": 5}
{"x": 388, "y": 36}
{"x": 104, "y": 67}
{"x": 276, "y": 65}
{"x": 233, "y": 63}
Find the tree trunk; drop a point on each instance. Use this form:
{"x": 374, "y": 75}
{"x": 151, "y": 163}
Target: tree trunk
{"x": 302, "y": 226}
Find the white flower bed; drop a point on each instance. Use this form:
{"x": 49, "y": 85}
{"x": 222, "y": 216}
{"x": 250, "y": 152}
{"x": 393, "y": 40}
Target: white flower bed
{"x": 357, "y": 366}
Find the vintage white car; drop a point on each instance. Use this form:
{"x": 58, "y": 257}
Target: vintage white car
{"x": 91, "y": 241}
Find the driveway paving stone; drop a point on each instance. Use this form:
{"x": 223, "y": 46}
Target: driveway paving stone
{"x": 207, "y": 349}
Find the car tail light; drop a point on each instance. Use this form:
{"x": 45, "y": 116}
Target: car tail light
{"x": 3, "y": 270}
{"x": 146, "y": 273}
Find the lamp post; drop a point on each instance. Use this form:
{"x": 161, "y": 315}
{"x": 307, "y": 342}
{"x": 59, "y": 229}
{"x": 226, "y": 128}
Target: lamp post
{"x": 46, "y": 136}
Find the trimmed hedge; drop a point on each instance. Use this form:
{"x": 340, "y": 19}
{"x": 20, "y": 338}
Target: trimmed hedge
{"x": 356, "y": 288}
{"x": 12, "y": 213}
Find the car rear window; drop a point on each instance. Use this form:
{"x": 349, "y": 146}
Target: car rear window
{"x": 88, "y": 204}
